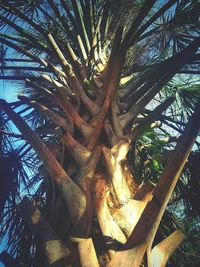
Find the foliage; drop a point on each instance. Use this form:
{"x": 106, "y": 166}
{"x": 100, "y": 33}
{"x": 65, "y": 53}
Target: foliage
{"x": 145, "y": 53}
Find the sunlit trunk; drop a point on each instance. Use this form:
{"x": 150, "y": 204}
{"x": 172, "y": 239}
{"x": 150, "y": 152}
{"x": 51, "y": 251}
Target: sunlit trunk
{"x": 102, "y": 200}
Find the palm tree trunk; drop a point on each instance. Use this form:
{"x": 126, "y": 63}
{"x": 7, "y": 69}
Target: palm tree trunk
{"x": 93, "y": 182}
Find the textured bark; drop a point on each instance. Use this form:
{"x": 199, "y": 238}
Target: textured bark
{"x": 83, "y": 253}
{"x": 161, "y": 252}
{"x": 55, "y": 251}
{"x": 108, "y": 213}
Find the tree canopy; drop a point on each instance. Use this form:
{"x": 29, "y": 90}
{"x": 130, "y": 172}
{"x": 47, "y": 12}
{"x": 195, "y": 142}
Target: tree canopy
{"x": 108, "y": 113}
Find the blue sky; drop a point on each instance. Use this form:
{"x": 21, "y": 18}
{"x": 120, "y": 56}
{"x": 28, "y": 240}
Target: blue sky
{"x": 8, "y": 90}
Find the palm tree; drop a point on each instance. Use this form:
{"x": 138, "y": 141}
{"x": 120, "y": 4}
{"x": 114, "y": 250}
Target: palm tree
{"x": 101, "y": 77}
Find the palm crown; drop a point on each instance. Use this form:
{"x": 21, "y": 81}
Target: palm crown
{"x": 109, "y": 85}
